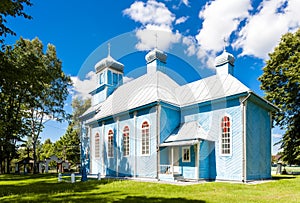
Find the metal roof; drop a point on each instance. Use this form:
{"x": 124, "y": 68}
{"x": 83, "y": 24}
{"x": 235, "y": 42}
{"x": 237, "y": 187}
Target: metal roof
{"x": 214, "y": 87}
{"x": 158, "y": 86}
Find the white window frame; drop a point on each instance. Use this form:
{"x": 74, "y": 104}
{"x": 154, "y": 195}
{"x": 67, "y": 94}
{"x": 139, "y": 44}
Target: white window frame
{"x": 146, "y": 151}
{"x": 97, "y": 146}
{"x": 110, "y": 144}
{"x": 183, "y": 153}
{"x": 126, "y": 141}
{"x": 228, "y": 133}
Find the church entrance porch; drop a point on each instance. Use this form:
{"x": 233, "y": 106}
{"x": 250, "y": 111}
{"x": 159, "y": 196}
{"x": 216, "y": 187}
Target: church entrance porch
{"x": 179, "y": 162}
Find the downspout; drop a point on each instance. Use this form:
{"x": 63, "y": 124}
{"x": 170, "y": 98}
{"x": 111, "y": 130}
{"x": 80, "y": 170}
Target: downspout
{"x": 244, "y": 162}
{"x": 117, "y": 143}
{"x": 158, "y": 110}
{"x": 103, "y": 145}
{"x": 135, "y": 143}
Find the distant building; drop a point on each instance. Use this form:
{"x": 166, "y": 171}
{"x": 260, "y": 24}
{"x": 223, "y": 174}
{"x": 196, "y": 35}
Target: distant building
{"x": 213, "y": 128}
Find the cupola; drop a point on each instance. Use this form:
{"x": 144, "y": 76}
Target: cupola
{"x": 224, "y": 63}
{"x": 156, "y": 60}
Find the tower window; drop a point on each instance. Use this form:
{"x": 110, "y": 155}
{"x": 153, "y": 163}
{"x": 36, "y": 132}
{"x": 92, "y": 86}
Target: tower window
{"x": 115, "y": 78}
{"x": 226, "y": 136}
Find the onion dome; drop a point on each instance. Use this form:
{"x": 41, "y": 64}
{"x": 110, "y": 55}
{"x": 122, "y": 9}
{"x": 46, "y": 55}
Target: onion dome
{"x": 156, "y": 54}
{"x": 109, "y": 62}
{"x": 224, "y": 58}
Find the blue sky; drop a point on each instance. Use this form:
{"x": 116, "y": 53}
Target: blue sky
{"x": 192, "y": 32}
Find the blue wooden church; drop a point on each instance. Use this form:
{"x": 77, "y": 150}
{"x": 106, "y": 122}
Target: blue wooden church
{"x": 215, "y": 128}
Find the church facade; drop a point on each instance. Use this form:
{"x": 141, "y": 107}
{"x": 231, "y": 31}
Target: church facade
{"x": 215, "y": 128}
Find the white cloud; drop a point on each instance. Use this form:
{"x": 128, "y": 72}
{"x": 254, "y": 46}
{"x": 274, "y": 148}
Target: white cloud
{"x": 156, "y": 19}
{"x": 151, "y": 12}
{"x": 191, "y": 44}
{"x": 156, "y": 36}
{"x": 220, "y": 19}
{"x": 181, "y": 20}
{"x": 81, "y": 88}
{"x": 264, "y": 29}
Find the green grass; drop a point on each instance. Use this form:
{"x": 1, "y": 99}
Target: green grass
{"x": 45, "y": 188}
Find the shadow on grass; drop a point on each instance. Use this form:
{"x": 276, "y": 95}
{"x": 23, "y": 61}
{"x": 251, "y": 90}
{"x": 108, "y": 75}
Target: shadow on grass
{"x": 158, "y": 199}
{"x": 16, "y": 177}
{"x": 279, "y": 177}
{"x": 47, "y": 189}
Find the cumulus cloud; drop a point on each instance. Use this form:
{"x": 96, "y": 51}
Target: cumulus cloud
{"x": 220, "y": 19}
{"x": 156, "y": 36}
{"x": 151, "y": 12}
{"x": 81, "y": 88}
{"x": 156, "y": 20}
{"x": 263, "y": 30}
{"x": 181, "y": 20}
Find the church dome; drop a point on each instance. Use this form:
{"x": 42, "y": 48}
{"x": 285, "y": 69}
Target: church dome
{"x": 156, "y": 54}
{"x": 225, "y": 57}
{"x": 109, "y": 62}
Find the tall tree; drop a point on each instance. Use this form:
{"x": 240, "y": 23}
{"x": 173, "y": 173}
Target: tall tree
{"x": 35, "y": 87}
{"x": 281, "y": 83}
{"x": 69, "y": 143}
{"x": 11, "y": 8}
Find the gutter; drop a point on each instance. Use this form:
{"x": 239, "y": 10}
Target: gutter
{"x": 244, "y": 116}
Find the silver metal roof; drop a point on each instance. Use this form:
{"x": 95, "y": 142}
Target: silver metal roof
{"x": 160, "y": 87}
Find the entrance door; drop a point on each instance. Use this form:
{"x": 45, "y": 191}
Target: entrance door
{"x": 175, "y": 158}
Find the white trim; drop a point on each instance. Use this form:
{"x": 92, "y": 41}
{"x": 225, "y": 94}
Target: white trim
{"x": 113, "y": 153}
{"x": 149, "y": 140}
{"x": 182, "y": 154}
{"x": 220, "y": 135}
{"x": 97, "y": 156}
{"x": 123, "y": 146}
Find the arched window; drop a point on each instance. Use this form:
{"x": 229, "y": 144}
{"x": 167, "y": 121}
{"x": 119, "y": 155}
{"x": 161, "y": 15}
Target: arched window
{"x": 110, "y": 144}
{"x": 145, "y": 138}
{"x": 126, "y": 141}
{"x": 97, "y": 145}
{"x": 226, "y": 136}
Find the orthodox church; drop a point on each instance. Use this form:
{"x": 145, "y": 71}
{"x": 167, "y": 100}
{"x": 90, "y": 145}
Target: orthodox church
{"x": 214, "y": 128}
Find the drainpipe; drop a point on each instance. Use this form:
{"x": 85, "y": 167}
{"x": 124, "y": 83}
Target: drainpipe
{"x": 117, "y": 143}
{"x": 103, "y": 145}
{"x": 244, "y": 132}
{"x": 158, "y": 110}
{"x": 135, "y": 142}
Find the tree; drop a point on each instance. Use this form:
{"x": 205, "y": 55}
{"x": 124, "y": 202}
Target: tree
{"x": 32, "y": 87}
{"x": 68, "y": 146}
{"x": 47, "y": 150}
{"x": 281, "y": 82}
{"x": 11, "y": 8}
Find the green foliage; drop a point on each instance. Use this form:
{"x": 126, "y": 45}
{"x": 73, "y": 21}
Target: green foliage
{"x": 32, "y": 86}
{"x": 47, "y": 150}
{"x": 69, "y": 145}
{"x": 11, "y": 8}
{"x": 281, "y": 83}
{"x": 45, "y": 188}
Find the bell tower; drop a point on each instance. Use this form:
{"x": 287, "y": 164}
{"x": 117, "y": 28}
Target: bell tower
{"x": 109, "y": 76}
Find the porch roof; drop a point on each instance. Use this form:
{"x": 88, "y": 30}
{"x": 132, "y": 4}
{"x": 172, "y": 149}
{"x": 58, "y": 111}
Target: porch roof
{"x": 189, "y": 133}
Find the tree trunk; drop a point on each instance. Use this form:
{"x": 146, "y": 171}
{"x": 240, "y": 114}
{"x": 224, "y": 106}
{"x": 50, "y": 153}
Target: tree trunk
{"x": 34, "y": 158}
{"x": 7, "y": 165}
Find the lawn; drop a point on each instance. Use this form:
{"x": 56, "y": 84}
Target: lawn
{"x": 46, "y": 188}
